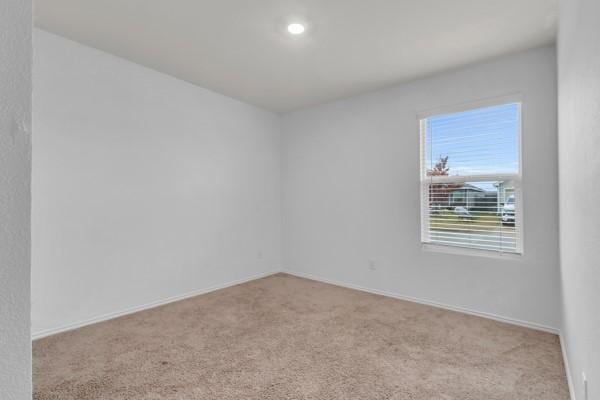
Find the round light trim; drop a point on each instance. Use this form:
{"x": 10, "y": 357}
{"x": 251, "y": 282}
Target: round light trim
{"x": 296, "y": 29}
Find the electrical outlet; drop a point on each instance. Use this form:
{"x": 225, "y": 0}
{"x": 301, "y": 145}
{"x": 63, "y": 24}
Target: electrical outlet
{"x": 585, "y": 386}
{"x": 372, "y": 265}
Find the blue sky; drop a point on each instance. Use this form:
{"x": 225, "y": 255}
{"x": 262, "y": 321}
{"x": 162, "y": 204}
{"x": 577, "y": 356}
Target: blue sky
{"x": 477, "y": 142}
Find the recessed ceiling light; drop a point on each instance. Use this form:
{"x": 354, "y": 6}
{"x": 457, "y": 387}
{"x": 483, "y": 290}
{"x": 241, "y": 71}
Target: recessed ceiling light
{"x": 295, "y": 29}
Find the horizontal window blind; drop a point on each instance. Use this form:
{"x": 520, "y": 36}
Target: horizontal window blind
{"x": 470, "y": 179}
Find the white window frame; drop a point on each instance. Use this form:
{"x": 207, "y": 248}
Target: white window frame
{"x": 425, "y": 180}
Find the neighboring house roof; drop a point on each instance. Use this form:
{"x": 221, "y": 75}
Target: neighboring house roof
{"x": 468, "y": 186}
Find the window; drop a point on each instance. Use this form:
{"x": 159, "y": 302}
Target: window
{"x": 471, "y": 178}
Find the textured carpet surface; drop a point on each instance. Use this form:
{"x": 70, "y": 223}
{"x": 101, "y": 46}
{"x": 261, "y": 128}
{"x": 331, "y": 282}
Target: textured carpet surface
{"x": 284, "y": 337}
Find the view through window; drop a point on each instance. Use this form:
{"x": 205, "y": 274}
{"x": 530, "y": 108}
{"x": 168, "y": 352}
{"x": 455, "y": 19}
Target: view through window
{"x": 470, "y": 178}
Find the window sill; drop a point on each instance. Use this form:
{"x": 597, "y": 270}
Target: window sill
{"x": 465, "y": 251}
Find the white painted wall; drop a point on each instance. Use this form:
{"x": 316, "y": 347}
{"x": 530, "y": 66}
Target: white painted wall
{"x": 351, "y": 193}
{"x": 579, "y": 177}
{"x": 147, "y": 188}
{"x": 15, "y": 199}
{"x": 144, "y": 187}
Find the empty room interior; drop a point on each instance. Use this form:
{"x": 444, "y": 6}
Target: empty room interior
{"x": 300, "y": 199}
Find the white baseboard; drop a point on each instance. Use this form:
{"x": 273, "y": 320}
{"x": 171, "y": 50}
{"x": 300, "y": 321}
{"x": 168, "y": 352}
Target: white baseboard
{"x": 131, "y": 310}
{"x": 495, "y": 317}
{"x": 563, "y": 348}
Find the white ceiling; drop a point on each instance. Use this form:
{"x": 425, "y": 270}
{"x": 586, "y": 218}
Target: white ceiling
{"x": 241, "y": 48}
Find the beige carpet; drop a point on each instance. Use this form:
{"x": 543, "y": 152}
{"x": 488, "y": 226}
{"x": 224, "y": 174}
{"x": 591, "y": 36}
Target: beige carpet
{"x": 284, "y": 337}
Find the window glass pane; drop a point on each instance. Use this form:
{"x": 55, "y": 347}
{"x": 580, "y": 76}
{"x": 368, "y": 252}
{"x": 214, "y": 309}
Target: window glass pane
{"x": 473, "y": 214}
{"x": 476, "y": 142}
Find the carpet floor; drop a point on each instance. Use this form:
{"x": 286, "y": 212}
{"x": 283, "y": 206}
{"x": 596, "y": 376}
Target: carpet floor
{"x": 284, "y": 337}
